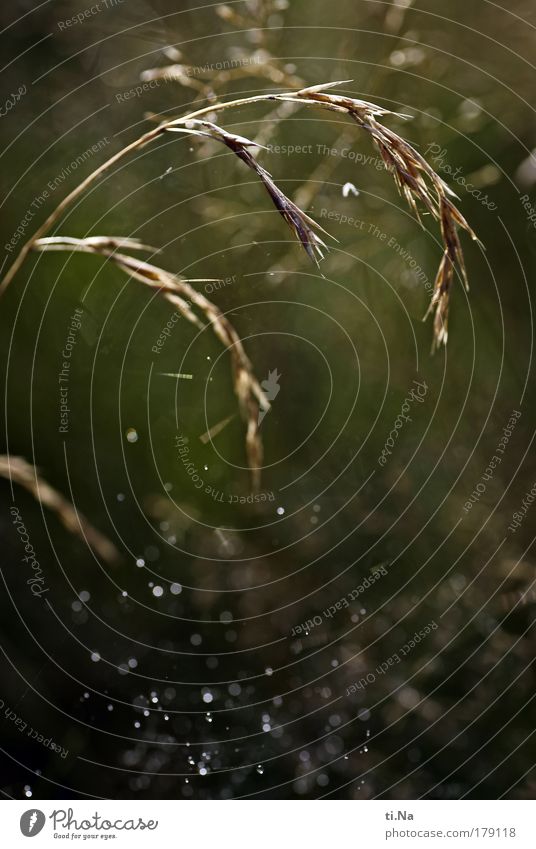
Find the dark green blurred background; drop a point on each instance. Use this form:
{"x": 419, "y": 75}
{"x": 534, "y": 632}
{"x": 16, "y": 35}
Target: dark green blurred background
{"x": 456, "y": 716}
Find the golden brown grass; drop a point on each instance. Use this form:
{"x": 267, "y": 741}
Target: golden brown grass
{"x": 416, "y": 180}
{"x": 182, "y": 294}
{"x": 18, "y": 470}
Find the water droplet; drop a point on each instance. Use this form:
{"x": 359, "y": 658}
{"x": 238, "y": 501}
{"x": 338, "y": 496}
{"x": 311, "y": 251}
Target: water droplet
{"x": 95, "y": 657}
{"x": 280, "y": 511}
{"x": 132, "y": 435}
{"x": 260, "y": 769}
{"x": 158, "y": 591}
{"x": 349, "y": 189}
{"x": 175, "y": 589}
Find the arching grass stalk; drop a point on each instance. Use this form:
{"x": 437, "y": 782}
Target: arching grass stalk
{"x": 182, "y": 294}
{"x": 416, "y": 180}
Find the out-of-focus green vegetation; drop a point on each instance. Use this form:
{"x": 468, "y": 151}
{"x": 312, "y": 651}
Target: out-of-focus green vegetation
{"x": 455, "y": 716}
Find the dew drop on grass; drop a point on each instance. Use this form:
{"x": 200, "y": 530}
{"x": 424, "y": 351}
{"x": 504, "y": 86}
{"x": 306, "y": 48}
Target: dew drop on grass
{"x": 132, "y": 435}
